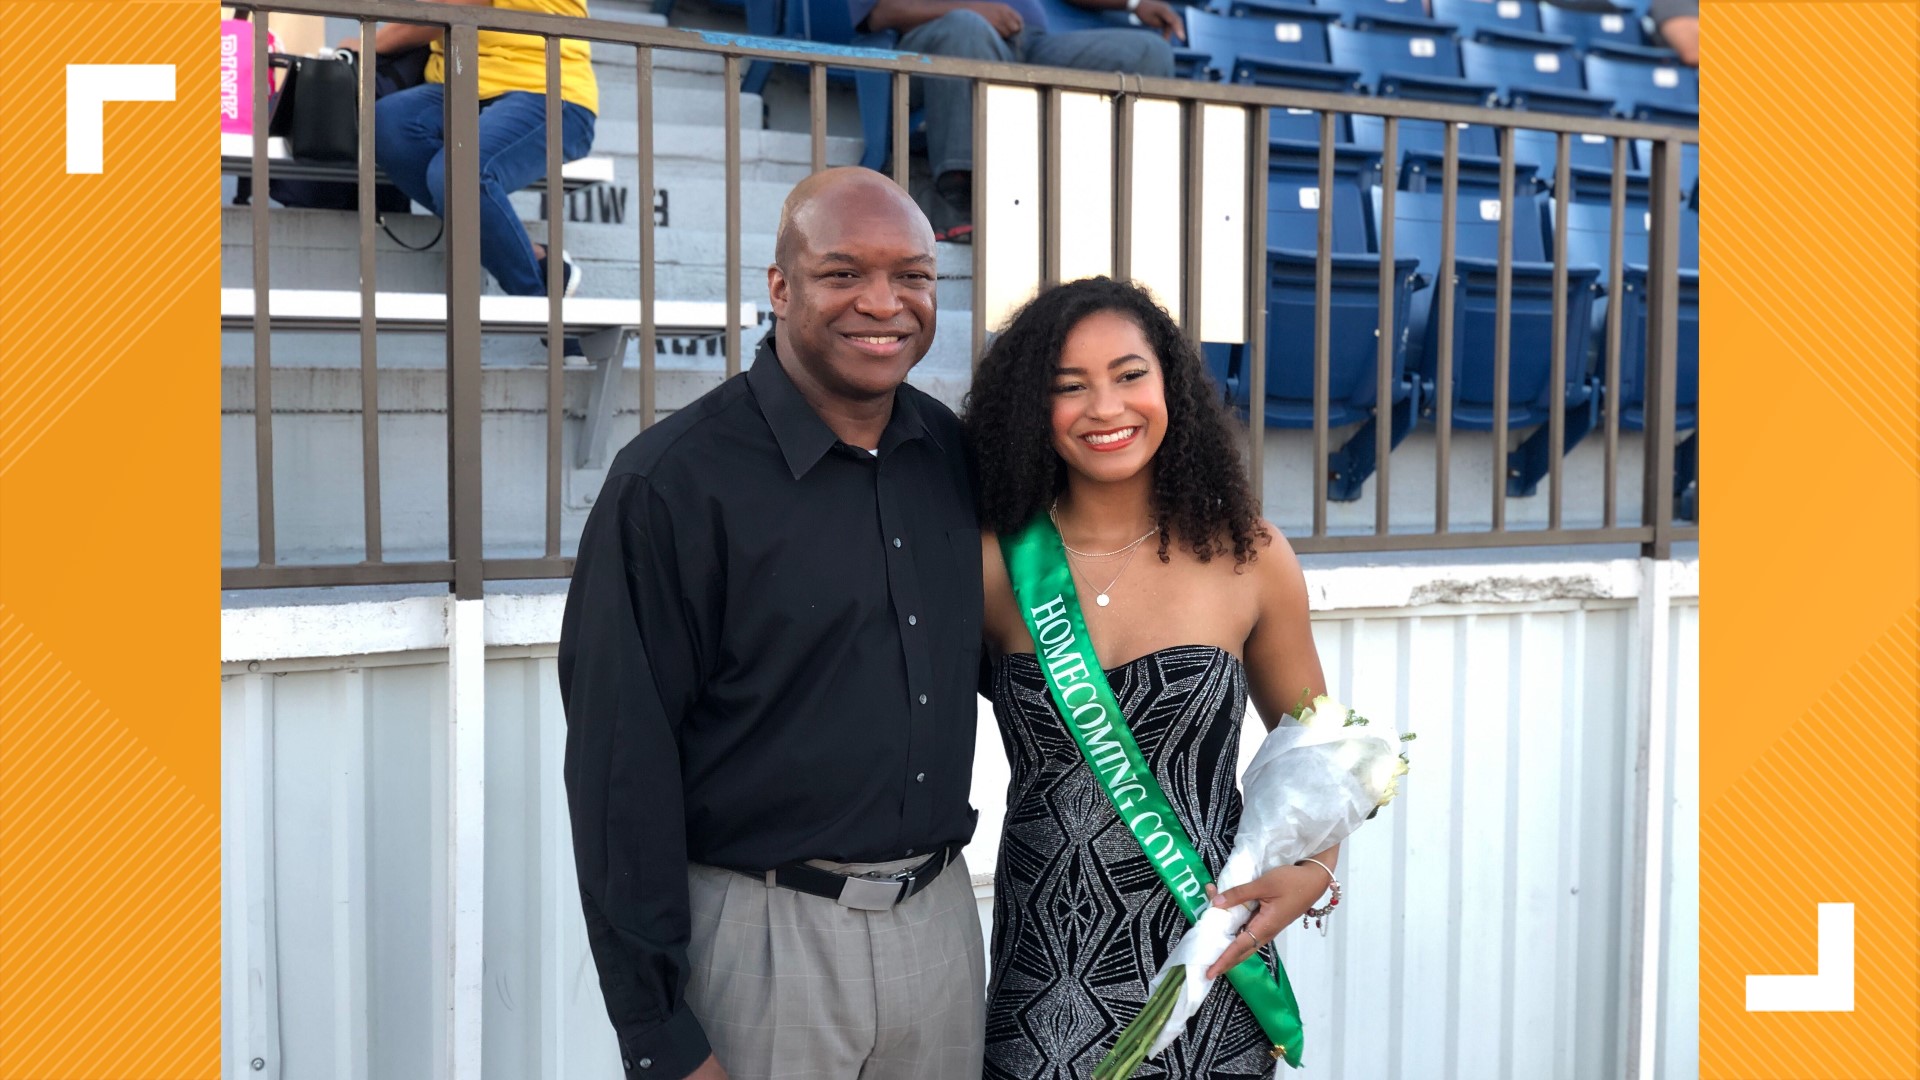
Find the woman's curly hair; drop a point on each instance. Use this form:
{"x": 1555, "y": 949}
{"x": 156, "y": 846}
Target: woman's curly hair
{"x": 1200, "y": 490}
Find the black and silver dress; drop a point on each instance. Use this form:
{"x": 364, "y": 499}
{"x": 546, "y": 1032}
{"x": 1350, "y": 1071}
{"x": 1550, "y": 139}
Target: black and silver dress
{"x": 1080, "y": 920}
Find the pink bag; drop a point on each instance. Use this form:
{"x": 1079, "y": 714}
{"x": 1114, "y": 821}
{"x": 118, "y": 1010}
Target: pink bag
{"x": 236, "y": 75}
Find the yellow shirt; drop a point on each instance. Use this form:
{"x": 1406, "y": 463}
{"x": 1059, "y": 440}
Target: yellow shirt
{"x": 519, "y": 61}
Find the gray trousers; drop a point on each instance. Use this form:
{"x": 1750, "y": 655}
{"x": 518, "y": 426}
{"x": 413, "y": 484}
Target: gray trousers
{"x": 790, "y": 985}
{"x": 949, "y": 102}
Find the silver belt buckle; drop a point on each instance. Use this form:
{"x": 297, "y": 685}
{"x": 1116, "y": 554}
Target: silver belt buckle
{"x": 873, "y": 894}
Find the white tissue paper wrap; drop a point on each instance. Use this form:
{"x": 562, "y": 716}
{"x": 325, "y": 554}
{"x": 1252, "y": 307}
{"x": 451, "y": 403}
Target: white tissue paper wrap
{"x": 1314, "y": 780}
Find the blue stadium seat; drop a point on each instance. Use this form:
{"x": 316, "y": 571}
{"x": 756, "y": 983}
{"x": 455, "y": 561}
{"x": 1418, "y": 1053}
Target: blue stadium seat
{"x": 1591, "y": 155}
{"x": 1400, "y": 14}
{"x": 1515, "y": 21}
{"x": 1423, "y": 151}
{"x": 1268, "y": 48}
{"x": 1618, "y": 32}
{"x": 1301, "y": 127}
{"x": 1588, "y": 237}
{"x": 1396, "y": 63}
{"x": 1540, "y": 77}
{"x": 1530, "y": 388}
{"x": 1425, "y": 66}
{"x": 830, "y": 22}
{"x": 1293, "y": 200}
{"x": 1689, "y": 162}
{"x": 1644, "y": 90}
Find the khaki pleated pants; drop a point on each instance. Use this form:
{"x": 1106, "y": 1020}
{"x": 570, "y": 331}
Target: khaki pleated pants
{"x": 792, "y": 986}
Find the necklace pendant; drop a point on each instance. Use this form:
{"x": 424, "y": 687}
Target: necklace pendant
{"x": 1102, "y": 600}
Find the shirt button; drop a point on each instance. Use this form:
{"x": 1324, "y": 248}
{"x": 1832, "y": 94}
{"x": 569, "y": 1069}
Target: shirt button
{"x": 896, "y": 541}
{"x": 913, "y": 620}
{"x": 923, "y": 699}
{"x": 921, "y": 779}
{"x": 646, "y": 1063}
{"x": 625, "y": 1064}
{"x": 909, "y": 853}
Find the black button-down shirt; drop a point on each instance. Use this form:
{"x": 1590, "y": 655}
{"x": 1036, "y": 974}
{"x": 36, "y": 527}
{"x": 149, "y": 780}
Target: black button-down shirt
{"x": 769, "y": 655}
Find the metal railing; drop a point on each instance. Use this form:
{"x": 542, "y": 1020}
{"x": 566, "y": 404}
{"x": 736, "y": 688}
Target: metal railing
{"x": 468, "y": 566}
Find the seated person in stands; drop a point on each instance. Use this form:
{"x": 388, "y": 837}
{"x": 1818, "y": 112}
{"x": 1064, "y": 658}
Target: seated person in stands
{"x": 1678, "y": 24}
{"x": 409, "y": 139}
{"x": 1015, "y": 31}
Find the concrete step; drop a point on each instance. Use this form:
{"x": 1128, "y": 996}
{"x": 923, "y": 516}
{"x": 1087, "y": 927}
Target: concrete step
{"x": 696, "y": 106}
{"x": 678, "y": 141}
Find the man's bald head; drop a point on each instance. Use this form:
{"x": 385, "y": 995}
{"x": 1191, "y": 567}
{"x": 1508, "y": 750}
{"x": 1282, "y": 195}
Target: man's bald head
{"x": 833, "y": 199}
{"x": 852, "y": 287}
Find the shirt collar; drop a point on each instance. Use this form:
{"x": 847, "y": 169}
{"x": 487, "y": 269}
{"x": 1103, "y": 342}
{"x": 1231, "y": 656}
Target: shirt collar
{"x": 803, "y": 437}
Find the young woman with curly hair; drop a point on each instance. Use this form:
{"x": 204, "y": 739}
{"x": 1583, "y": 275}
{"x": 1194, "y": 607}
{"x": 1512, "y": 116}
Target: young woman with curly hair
{"x": 1094, "y": 408}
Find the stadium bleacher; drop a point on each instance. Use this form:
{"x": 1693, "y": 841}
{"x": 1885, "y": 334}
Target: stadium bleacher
{"x": 1524, "y": 55}
{"x": 1513, "y": 53}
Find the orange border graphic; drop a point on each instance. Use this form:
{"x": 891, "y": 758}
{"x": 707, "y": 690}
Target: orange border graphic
{"x": 109, "y": 557}
{"x": 1811, "y": 530}
{"x": 109, "y": 753}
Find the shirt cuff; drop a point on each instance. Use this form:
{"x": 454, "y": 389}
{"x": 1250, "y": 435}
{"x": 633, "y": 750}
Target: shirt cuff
{"x": 667, "y": 1051}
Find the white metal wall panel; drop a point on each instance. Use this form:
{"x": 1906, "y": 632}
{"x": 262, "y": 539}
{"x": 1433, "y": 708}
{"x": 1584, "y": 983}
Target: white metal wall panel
{"x": 1481, "y": 935}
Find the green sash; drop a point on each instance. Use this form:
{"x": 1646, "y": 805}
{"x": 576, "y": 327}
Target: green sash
{"x": 1043, "y": 587}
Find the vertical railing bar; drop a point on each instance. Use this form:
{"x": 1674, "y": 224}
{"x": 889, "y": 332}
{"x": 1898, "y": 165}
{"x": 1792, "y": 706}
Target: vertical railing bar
{"x": 980, "y": 216}
{"x": 643, "y": 111}
{"x": 1663, "y": 286}
{"x": 1192, "y": 294}
{"x": 1253, "y": 360}
{"x": 732, "y": 77}
{"x": 817, "y": 112}
{"x": 262, "y": 305}
{"x": 1616, "y": 258}
{"x": 1052, "y": 198}
{"x": 556, "y": 204}
{"x": 900, "y": 133}
{"x": 1557, "y": 403}
{"x": 1322, "y": 329}
{"x": 1123, "y": 187}
{"x": 1503, "y": 331}
{"x": 1383, "y": 346}
{"x": 1443, "y": 364}
{"x": 369, "y": 344}
{"x": 463, "y": 309}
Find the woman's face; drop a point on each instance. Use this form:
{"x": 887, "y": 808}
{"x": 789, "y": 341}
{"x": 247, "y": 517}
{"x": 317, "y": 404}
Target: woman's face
{"x": 1109, "y": 400}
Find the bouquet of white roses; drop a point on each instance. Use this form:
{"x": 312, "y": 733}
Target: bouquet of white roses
{"x": 1317, "y": 776}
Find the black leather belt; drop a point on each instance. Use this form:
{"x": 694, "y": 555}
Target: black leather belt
{"x": 863, "y": 893}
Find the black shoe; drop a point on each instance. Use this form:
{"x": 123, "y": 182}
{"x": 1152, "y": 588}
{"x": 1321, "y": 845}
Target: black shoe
{"x": 571, "y": 283}
{"x": 956, "y": 186}
{"x": 951, "y": 224}
{"x": 570, "y": 350}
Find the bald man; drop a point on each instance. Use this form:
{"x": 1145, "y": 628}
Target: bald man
{"x": 768, "y": 661}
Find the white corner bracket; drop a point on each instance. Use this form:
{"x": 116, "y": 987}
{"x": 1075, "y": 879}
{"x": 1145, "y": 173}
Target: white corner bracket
{"x": 89, "y": 88}
{"x": 1828, "y": 990}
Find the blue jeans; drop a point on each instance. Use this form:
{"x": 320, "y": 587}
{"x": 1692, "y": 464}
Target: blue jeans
{"x": 949, "y": 102}
{"x": 410, "y": 143}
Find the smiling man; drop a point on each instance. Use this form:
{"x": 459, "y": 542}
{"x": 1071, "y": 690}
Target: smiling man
{"x": 768, "y": 663}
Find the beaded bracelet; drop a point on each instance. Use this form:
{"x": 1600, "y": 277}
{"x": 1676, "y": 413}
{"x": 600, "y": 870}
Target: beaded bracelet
{"x": 1317, "y": 916}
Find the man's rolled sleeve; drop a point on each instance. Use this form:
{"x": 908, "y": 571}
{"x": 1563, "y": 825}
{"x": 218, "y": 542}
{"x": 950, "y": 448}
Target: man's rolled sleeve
{"x": 629, "y": 672}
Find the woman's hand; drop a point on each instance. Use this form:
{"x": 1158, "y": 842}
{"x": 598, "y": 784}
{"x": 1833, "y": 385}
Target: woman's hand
{"x": 1283, "y": 895}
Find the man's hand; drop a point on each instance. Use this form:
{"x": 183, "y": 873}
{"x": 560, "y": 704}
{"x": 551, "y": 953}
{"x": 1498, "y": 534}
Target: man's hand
{"x": 709, "y": 1069}
{"x": 1004, "y": 20}
{"x": 1159, "y": 15}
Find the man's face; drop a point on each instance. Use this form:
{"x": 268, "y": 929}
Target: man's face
{"x": 856, "y": 300}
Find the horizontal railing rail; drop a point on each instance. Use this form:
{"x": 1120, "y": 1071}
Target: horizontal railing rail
{"x": 1213, "y": 276}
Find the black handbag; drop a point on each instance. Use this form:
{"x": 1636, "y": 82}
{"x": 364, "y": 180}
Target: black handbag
{"x": 317, "y": 109}
{"x": 392, "y": 72}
